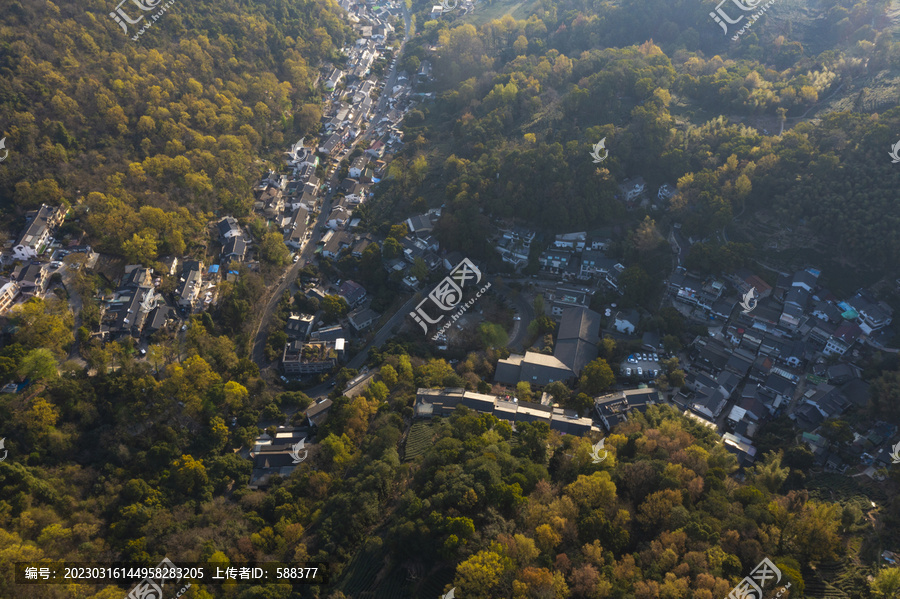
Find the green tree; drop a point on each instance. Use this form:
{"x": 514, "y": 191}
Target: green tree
{"x": 887, "y": 583}
{"x": 478, "y": 576}
{"x": 559, "y": 392}
{"x": 39, "y": 365}
{"x": 46, "y": 324}
{"x": 591, "y": 492}
{"x": 596, "y": 377}
{"x": 419, "y": 269}
{"x": 637, "y": 286}
{"x": 188, "y": 478}
{"x": 236, "y": 396}
{"x": 646, "y": 238}
{"x": 582, "y": 403}
{"x": 334, "y": 307}
{"x": 388, "y": 375}
{"x": 272, "y": 249}
{"x": 140, "y": 249}
{"x": 335, "y": 451}
{"x": 392, "y": 248}
{"x": 377, "y": 391}
{"x": 523, "y": 391}
{"x": 493, "y": 335}
{"x": 398, "y": 231}
{"x": 769, "y": 475}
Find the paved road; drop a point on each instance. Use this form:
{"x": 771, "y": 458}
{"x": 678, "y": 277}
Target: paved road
{"x": 381, "y": 108}
{"x": 306, "y": 254}
{"x": 384, "y": 333}
{"x": 525, "y": 310}
{"x": 308, "y": 251}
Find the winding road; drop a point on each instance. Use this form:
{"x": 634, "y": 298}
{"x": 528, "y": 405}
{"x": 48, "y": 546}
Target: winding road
{"x": 307, "y": 253}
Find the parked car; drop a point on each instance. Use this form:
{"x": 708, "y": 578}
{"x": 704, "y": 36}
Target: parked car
{"x": 640, "y": 371}
{"x": 627, "y": 372}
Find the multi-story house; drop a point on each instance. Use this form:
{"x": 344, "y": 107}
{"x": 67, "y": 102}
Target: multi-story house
{"x": 37, "y": 231}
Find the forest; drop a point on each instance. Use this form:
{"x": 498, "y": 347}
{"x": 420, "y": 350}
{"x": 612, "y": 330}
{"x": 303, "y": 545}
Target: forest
{"x": 131, "y": 466}
{"x": 521, "y": 102}
{"x": 148, "y": 140}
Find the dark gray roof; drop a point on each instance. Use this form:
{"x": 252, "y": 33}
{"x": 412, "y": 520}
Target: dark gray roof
{"x": 158, "y": 317}
{"x": 779, "y": 384}
{"x": 575, "y": 353}
{"x": 235, "y": 247}
{"x": 806, "y": 277}
{"x": 738, "y": 364}
{"x": 797, "y": 295}
{"x": 579, "y": 323}
{"x": 226, "y": 225}
{"x": 422, "y": 222}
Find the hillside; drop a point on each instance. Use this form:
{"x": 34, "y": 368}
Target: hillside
{"x": 149, "y": 137}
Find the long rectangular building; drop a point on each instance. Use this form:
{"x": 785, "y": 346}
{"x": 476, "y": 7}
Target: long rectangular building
{"x": 442, "y": 402}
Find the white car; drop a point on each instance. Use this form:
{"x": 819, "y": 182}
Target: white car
{"x": 627, "y": 372}
{"x": 640, "y": 371}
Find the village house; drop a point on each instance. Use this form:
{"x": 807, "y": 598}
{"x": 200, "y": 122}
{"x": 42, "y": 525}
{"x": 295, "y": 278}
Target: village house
{"x": 8, "y": 292}
{"x": 228, "y": 227}
{"x": 614, "y": 408}
{"x": 190, "y": 283}
{"x": 352, "y": 292}
{"x": 32, "y": 279}
{"x": 39, "y": 225}
{"x": 362, "y": 318}
{"x": 273, "y": 457}
{"x": 314, "y": 357}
